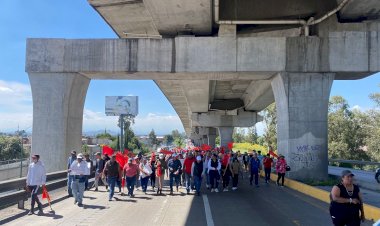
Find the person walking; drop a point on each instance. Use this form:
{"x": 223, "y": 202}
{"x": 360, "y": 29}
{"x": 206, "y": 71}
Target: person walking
{"x": 281, "y": 170}
{"x": 131, "y": 172}
{"x": 346, "y": 207}
{"x": 174, "y": 172}
{"x": 226, "y": 171}
{"x": 254, "y": 165}
{"x": 213, "y": 170}
{"x": 205, "y": 163}
{"x": 235, "y": 168}
{"x": 153, "y": 174}
{"x": 187, "y": 164}
{"x": 90, "y": 166}
{"x": 78, "y": 170}
{"x": 161, "y": 169}
{"x": 70, "y": 160}
{"x": 197, "y": 172}
{"x": 113, "y": 172}
{"x": 145, "y": 172}
{"x": 35, "y": 178}
{"x": 268, "y": 163}
{"x": 99, "y": 166}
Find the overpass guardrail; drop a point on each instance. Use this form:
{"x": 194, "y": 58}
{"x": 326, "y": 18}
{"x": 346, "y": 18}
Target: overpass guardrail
{"x": 13, "y": 191}
{"x": 357, "y": 163}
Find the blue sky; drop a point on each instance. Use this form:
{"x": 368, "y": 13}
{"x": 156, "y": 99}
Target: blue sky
{"x": 21, "y": 19}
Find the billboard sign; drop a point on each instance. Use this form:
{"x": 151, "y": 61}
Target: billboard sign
{"x": 121, "y": 105}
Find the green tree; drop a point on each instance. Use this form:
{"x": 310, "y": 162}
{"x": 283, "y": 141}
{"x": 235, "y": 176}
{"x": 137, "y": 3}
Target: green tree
{"x": 168, "y": 139}
{"x": 152, "y": 138}
{"x": 11, "y": 148}
{"x": 217, "y": 141}
{"x": 105, "y": 135}
{"x": 179, "y": 142}
{"x": 176, "y": 134}
{"x": 270, "y": 132}
{"x": 346, "y": 133}
{"x": 238, "y": 135}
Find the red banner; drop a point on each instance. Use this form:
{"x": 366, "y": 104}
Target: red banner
{"x": 107, "y": 150}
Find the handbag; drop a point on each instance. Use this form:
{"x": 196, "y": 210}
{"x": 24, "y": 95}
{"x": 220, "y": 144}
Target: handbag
{"x": 287, "y": 168}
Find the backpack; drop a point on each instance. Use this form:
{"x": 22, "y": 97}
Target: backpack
{"x": 377, "y": 175}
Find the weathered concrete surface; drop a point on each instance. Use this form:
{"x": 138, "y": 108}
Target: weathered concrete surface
{"x": 225, "y": 135}
{"x": 302, "y": 106}
{"x": 216, "y": 119}
{"x": 208, "y": 54}
{"x": 58, "y": 102}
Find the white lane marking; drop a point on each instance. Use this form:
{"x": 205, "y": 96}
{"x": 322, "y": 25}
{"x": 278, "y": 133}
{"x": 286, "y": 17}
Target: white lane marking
{"x": 210, "y": 221}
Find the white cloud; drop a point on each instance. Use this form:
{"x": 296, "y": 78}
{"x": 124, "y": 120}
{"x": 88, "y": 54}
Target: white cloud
{"x": 16, "y": 109}
{"x": 357, "y": 107}
{"x": 161, "y": 123}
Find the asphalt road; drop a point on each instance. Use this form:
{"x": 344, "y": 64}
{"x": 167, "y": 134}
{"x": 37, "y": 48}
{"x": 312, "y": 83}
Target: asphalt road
{"x": 266, "y": 205}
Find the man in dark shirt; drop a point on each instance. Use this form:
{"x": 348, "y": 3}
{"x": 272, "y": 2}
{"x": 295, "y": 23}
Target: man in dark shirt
{"x": 113, "y": 172}
{"x": 174, "y": 169}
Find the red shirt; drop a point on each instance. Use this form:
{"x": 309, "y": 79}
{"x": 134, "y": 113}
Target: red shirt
{"x": 130, "y": 170}
{"x": 268, "y": 162}
{"x": 187, "y": 164}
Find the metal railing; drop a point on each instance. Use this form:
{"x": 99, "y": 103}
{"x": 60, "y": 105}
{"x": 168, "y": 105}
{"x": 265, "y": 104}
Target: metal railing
{"x": 353, "y": 163}
{"x": 13, "y": 191}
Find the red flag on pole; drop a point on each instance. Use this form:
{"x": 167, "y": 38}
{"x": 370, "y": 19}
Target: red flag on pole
{"x": 166, "y": 152}
{"x": 273, "y": 154}
{"x": 230, "y": 145}
{"x": 107, "y": 150}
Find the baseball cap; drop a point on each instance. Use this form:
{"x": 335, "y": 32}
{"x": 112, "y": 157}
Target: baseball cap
{"x": 199, "y": 158}
{"x": 79, "y": 156}
{"x": 347, "y": 173}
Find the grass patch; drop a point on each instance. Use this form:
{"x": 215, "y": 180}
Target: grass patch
{"x": 331, "y": 181}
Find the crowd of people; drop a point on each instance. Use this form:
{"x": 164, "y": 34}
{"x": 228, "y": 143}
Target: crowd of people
{"x": 184, "y": 169}
{"x": 188, "y": 170}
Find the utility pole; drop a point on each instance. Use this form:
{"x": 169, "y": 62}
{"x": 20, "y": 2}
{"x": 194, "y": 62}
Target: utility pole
{"x": 121, "y": 132}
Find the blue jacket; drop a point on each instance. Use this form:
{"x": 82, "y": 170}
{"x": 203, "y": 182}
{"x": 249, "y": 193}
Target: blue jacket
{"x": 174, "y": 165}
{"x": 255, "y": 165}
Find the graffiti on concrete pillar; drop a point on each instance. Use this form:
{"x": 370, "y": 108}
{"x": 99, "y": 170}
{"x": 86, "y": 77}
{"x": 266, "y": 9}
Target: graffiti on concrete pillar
{"x": 305, "y": 156}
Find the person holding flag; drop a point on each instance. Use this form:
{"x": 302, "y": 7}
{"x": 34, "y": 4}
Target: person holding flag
{"x": 35, "y": 178}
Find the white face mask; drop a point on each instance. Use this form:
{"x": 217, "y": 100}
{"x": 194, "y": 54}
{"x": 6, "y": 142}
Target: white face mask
{"x": 34, "y": 160}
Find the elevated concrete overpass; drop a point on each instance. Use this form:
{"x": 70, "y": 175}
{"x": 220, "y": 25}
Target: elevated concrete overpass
{"x": 219, "y": 63}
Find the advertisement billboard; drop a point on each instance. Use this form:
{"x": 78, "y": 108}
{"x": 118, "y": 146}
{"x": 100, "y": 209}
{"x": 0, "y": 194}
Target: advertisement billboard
{"x": 121, "y": 105}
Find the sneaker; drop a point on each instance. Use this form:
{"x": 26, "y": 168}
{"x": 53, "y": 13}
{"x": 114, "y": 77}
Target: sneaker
{"x": 226, "y": 189}
{"x": 30, "y": 213}
{"x": 80, "y": 204}
{"x": 216, "y": 190}
{"x": 234, "y": 188}
{"x": 212, "y": 190}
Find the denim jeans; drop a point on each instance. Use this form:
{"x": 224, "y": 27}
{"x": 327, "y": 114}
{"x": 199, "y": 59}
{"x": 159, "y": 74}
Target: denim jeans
{"x": 214, "y": 178}
{"x": 34, "y": 192}
{"x": 77, "y": 190}
{"x": 235, "y": 180}
{"x": 188, "y": 182}
{"x": 172, "y": 178}
{"x": 197, "y": 183}
{"x": 111, "y": 182}
{"x": 267, "y": 174}
{"x": 70, "y": 179}
{"x": 256, "y": 175}
{"x": 144, "y": 183}
{"x": 131, "y": 181}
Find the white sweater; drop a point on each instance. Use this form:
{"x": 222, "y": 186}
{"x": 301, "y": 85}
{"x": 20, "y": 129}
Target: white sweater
{"x": 36, "y": 174}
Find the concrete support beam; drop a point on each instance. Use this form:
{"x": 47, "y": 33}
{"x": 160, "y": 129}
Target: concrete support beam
{"x": 225, "y": 134}
{"x": 217, "y": 119}
{"x": 211, "y": 137}
{"x": 302, "y": 106}
{"x": 58, "y": 102}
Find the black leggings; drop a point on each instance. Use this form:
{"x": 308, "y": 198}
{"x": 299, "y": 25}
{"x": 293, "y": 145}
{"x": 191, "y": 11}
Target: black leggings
{"x": 281, "y": 176}
{"x": 153, "y": 179}
{"x": 34, "y": 193}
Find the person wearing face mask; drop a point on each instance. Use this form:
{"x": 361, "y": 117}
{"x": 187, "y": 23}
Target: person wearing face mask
{"x": 161, "y": 169}
{"x": 346, "y": 202}
{"x": 78, "y": 170}
{"x": 235, "y": 168}
{"x": 35, "y": 178}
{"x": 70, "y": 160}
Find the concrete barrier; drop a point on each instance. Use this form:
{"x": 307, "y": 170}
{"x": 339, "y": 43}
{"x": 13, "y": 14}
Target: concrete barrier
{"x": 371, "y": 212}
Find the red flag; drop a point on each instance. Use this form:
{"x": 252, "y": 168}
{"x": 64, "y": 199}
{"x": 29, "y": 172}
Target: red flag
{"x": 273, "y": 154}
{"x": 230, "y": 145}
{"x": 206, "y": 147}
{"x": 123, "y": 182}
{"x": 126, "y": 151}
{"x": 45, "y": 194}
{"x": 166, "y": 152}
{"x": 107, "y": 150}
{"x": 121, "y": 159}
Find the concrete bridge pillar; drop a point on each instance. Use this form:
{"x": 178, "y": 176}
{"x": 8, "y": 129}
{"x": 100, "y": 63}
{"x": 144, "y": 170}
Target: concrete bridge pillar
{"x": 225, "y": 134}
{"x": 302, "y": 109}
{"x": 211, "y": 136}
{"x": 58, "y": 101}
